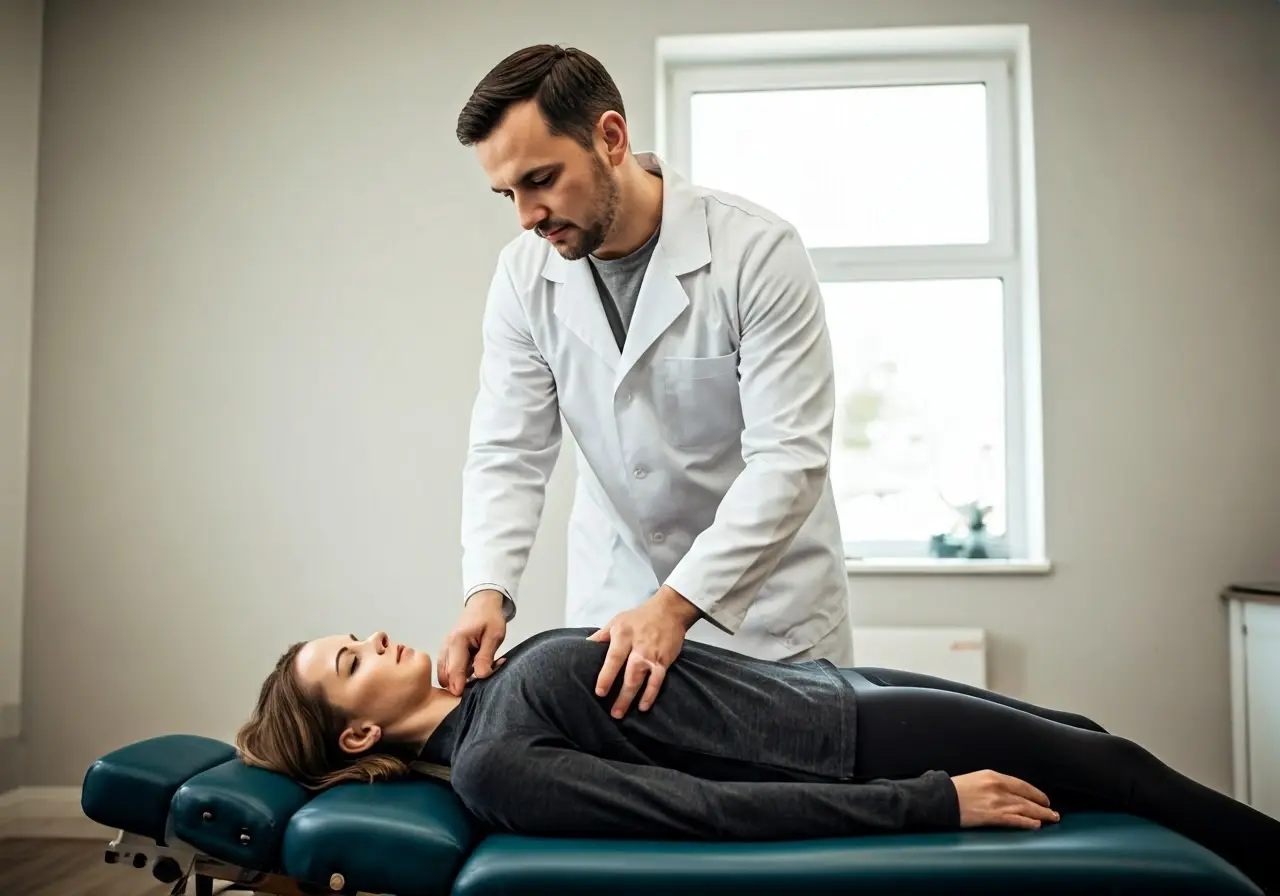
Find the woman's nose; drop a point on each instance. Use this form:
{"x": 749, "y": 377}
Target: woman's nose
{"x": 380, "y": 641}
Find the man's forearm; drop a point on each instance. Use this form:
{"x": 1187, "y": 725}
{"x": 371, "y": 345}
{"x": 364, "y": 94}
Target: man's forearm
{"x": 502, "y": 501}
{"x": 514, "y": 441}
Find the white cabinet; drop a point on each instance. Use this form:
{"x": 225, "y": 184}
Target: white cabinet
{"x": 1254, "y": 614}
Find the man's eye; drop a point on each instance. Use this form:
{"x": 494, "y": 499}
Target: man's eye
{"x": 542, "y": 181}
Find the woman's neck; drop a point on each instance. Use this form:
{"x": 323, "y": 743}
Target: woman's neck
{"x": 421, "y": 723}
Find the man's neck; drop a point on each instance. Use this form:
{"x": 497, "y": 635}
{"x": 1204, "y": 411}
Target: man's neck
{"x": 639, "y": 211}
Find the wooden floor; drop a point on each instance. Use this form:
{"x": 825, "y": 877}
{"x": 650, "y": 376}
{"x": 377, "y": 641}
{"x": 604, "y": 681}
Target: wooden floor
{"x": 41, "y": 867}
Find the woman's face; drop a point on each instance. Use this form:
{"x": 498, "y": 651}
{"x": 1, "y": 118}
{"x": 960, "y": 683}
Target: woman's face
{"x": 378, "y": 684}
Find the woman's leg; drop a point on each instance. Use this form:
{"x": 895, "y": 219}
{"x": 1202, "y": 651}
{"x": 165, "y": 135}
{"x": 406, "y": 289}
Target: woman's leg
{"x": 902, "y": 731}
{"x": 900, "y": 679}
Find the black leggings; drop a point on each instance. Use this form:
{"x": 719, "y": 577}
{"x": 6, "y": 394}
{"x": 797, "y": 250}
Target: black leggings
{"x": 908, "y": 723}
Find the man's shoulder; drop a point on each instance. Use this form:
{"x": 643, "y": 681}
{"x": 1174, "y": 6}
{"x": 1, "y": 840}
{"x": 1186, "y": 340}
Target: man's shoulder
{"x": 750, "y": 242}
{"x": 731, "y": 214}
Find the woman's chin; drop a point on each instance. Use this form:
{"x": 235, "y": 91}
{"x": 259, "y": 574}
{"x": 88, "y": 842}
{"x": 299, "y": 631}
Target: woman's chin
{"x": 421, "y": 666}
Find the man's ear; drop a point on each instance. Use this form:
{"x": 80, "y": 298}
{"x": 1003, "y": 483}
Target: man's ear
{"x": 359, "y": 737}
{"x": 613, "y": 131}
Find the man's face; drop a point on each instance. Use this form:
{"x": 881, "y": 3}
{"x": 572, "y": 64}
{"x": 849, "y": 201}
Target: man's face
{"x": 565, "y": 193}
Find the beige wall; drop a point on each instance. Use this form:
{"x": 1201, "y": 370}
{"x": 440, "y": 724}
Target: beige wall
{"x": 262, "y": 262}
{"x": 19, "y": 130}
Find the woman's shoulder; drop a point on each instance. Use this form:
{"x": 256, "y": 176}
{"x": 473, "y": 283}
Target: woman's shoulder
{"x": 559, "y": 649}
{"x": 546, "y": 668}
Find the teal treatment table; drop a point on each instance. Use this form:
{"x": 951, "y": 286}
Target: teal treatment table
{"x": 190, "y": 811}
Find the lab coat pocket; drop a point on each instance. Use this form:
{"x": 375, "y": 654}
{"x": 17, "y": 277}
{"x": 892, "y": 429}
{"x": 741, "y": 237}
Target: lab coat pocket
{"x": 700, "y": 401}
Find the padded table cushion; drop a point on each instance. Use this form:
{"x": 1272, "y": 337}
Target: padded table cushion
{"x": 1085, "y": 853}
{"x": 413, "y": 838}
{"x": 131, "y": 788}
{"x": 404, "y": 837}
{"x": 237, "y": 813}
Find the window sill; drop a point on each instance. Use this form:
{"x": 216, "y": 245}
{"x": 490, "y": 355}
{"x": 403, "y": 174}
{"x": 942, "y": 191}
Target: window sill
{"x": 932, "y": 566}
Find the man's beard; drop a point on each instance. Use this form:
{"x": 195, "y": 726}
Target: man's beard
{"x": 608, "y": 198}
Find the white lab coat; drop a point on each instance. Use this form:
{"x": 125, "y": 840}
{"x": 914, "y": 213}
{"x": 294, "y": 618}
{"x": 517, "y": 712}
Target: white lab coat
{"x": 703, "y": 445}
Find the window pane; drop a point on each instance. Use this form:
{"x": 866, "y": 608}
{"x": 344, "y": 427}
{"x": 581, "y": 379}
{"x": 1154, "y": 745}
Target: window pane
{"x": 860, "y": 166}
{"x": 919, "y": 424}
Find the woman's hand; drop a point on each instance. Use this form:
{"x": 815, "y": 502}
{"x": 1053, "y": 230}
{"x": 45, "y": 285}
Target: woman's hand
{"x": 989, "y": 798}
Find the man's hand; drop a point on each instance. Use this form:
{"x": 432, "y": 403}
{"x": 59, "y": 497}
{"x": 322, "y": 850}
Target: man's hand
{"x": 646, "y": 640}
{"x": 989, "y": 798}
{"x": 470, "y": 647}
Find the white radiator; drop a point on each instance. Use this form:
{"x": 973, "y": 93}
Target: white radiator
{"x": 957, "y": 654}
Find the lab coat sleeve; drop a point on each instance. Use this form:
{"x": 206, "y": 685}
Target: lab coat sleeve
{"x": 514, "y": 441}
{"x": 787, "y": 390}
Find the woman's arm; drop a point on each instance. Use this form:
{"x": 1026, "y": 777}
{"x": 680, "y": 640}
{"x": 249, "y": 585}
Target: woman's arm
{"x": 538, "y": 787}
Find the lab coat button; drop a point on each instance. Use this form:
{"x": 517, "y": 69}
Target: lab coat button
{"x": 641, "y": 472}
{"x": 656, "y": 536}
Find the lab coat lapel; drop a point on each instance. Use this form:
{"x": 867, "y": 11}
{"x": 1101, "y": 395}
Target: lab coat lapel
{"x": 683, "y": 246}
{"x": 578, "y": 306}
{"x": 662, "y": 299}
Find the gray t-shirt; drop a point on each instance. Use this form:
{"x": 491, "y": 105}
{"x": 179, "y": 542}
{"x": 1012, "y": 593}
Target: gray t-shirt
{"x": 619, "y": 279}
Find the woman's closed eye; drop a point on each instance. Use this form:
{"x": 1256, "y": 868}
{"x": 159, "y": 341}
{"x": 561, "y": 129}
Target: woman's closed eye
{"x": 351, "y": 666}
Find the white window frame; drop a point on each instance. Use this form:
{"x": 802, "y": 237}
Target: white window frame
{"x": 998, "y": 57}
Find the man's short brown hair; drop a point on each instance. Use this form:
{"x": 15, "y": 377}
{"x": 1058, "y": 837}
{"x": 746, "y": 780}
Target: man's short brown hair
{"x": 571, "y": 88}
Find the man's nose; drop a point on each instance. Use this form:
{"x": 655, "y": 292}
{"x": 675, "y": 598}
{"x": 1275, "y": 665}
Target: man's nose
{"x": 531, "y": 214}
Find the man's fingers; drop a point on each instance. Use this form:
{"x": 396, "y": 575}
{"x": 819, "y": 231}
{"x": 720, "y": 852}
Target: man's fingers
{"x": 599, "y": 635}
{"x": 442, "y": 669}
{"x": 458, "y": 658}
{"x": 613, "y": 662}
{"x": 443, "y": 665}
{"x": 637, "y": 668}
{"x": 483, "y": 661}
{"x": 656, "y": 675}
{"x": 456, "y": 677}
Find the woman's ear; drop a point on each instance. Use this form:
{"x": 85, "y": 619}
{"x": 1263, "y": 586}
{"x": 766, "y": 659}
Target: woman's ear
{"x": 358, "y": 738}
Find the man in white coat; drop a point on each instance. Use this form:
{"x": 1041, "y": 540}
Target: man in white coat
{"x": 680, "y": 335}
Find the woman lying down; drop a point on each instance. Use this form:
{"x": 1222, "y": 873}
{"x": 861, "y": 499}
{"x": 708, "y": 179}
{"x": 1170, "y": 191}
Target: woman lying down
{"x": 734, "y": 748}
